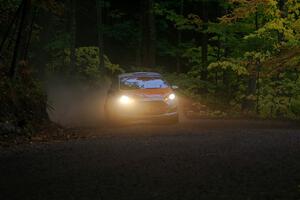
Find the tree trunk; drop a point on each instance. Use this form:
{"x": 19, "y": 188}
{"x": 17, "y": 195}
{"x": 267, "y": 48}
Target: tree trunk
{"x": 29, "y": 34}
{"x": 148, "y": 35}
{"x": 249, "y": 104}
{"x": 45, "y": 19}
{"x": 204, "y": 41}
{"x": 179, "y": 37}
{"x": 218, "y": 59}
{"x": 258, "y": 88}
{"x": 152, "y": 36}
{"x": 73, "y": 36}
{"x": 226, "y": 54}
{"x": 139, "y": 49}
{"x": 281, "y": 5}
{"x": 145, "y": 33}
{"x": 256, "y": 20}
{"x": 22, "y": 25}
{"x": 100, "y": 34}
{"x": 11, "y": 24}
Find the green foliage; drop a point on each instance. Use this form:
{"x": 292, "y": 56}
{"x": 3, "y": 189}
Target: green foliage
{"x": 87, "y": 64}
{"x": 23, "y": 103}
{"x": 193, "y": 54}
{"x": 58, "y": 43}
{"x": 188, "y": 84}
{"x": 228, "y": 65}
{"x": 191, "y": 22}
{"x": 7, "y": 7}
{"x": 280, "y": 98}
{"x": 254, "y": 41}
{"x": 252, "y": 52}
{"x": 122, "y": 32}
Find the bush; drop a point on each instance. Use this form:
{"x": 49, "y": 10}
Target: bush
{"x": 23, "y": 103}
{"x": 87, "y": 64}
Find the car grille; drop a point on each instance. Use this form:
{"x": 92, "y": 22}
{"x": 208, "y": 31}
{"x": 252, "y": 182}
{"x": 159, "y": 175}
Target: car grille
{"x": 153, "y": 107}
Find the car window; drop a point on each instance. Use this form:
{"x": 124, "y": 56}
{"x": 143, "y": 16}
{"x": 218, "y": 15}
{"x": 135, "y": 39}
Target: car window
{"x": 132, "y": 83}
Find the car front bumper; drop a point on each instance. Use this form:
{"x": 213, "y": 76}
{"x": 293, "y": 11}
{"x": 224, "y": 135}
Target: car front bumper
{"x": 147, "y": 117}
{"x": 145, "y": 110}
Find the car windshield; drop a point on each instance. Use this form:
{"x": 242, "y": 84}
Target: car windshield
{"x": 133, "y": 83}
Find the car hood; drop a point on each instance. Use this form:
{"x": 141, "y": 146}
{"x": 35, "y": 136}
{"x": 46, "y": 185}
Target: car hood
{"x": 149, "y": 94}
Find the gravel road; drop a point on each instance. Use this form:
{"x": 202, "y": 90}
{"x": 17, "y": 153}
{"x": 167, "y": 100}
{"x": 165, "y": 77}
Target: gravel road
{"x": 197, "y": 159}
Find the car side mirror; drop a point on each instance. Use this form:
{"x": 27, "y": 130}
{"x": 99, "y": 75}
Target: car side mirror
{"x": 175, "y": 87}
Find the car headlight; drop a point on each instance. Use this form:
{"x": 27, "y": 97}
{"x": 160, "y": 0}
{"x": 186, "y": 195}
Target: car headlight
{"x": 125, "y": 100}
{"x": 171, "y": 96}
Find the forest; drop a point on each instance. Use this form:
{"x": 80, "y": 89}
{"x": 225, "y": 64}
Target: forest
{"x": 238, "y": 58}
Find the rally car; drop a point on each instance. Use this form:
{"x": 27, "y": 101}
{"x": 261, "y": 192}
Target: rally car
{"x": 141, "y": 96}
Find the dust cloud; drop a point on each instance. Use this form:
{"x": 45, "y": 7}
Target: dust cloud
{"x": 72, "y": 104}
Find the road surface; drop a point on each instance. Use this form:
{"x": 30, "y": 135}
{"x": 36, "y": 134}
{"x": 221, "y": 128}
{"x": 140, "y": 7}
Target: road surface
{"x": 197, "y": 159}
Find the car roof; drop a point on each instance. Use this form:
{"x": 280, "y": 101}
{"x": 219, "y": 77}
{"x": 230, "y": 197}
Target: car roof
{"x": 139, "y": 74}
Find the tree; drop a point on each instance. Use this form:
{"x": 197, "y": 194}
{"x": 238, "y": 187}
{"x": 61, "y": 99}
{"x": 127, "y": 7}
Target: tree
{"x": 152, "y": 34}
{"x": 204, "y": 41}
{"x": 26, "y": 6}
{"x": 11, "y": 26}
{"x": 148, "y": 34}
{"x": 179, "y": 39}
{"x": 73, "y": 35}
{"x": 100, "y": 4}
